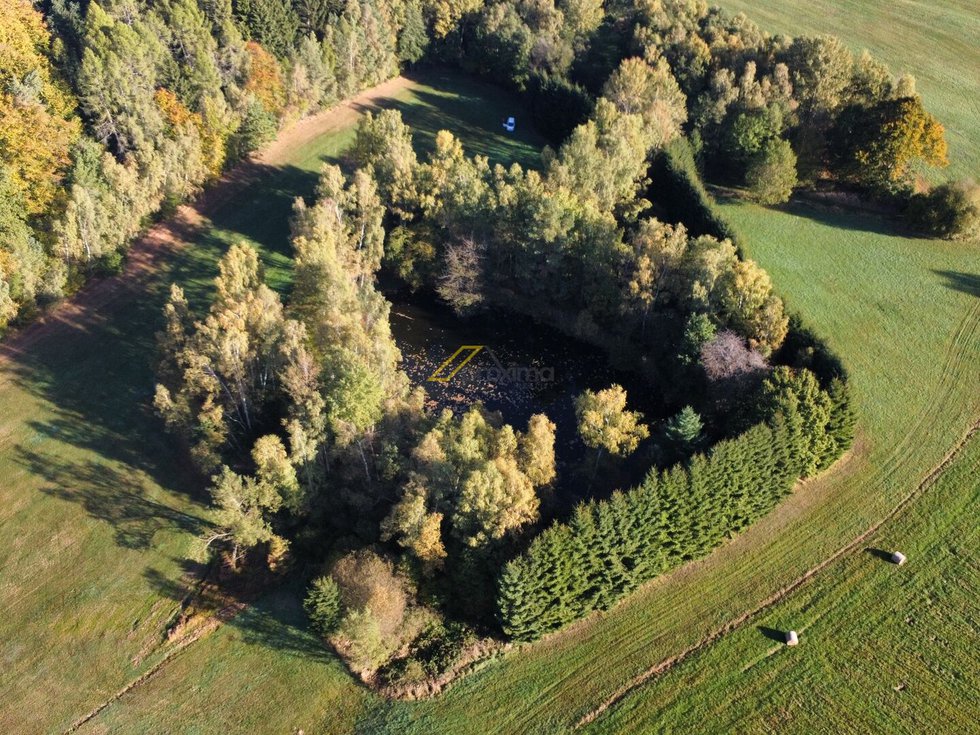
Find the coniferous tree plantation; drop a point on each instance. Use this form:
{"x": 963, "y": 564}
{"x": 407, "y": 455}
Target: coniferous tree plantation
{"x": 426, "y": 534}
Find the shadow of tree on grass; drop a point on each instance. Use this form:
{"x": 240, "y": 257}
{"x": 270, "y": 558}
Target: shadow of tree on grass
{"x": 968, "y": 283}
{"x": 106, "y": 494}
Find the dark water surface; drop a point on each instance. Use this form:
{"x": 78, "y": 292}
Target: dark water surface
{"x": 519, "y": 368}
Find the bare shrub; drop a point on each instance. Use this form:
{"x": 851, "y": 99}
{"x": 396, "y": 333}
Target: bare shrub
{"x": 732, "y": 367}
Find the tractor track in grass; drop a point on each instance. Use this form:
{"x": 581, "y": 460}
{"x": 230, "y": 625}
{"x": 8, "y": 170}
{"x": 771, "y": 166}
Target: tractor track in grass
{"x": 965, "y": 330}
{"x": 666, "y": 664}
{"x": 221, "y": 616}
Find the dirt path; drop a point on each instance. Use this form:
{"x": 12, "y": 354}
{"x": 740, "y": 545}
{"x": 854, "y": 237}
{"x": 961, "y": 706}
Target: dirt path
{"x": 164, "y": 238}
{"x": 665, "y": 665}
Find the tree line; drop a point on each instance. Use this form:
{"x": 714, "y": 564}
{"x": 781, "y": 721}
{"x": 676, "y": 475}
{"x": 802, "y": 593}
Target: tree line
{"x": 112, "y": 112}
{"x": 321, "y": 451}
{"x": 608, "y": 548}
{"x": 768, "y": 113}
{"x": 576, "y": 245}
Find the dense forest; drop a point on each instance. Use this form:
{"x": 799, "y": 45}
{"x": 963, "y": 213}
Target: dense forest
{"x": 110, "y": 114}
{"x": 422, "y": 531}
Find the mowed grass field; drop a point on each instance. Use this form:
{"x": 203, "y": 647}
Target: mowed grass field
{"x": 883, "y": 649}
{"x": 97, "y": 505}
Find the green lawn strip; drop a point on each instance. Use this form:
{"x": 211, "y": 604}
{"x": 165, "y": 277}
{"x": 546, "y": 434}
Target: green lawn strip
{"x": 883, "y": 648}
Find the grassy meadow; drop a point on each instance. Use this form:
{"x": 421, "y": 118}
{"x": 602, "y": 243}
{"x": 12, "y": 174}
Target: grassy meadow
{"x": 883, "y": 649}
{"x": 101, "y": 508}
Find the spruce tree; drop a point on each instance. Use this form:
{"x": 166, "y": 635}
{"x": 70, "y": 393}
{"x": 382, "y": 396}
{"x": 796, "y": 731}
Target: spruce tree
{"x": 273, "y": 23}
{"x": 683, "y": 430}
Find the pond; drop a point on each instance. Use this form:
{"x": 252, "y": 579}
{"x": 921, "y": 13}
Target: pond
{"x": 518, "y": 367}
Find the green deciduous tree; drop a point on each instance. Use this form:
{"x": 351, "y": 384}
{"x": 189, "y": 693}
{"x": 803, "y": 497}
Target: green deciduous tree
{"x": 383, "y": 147}
{"x": 476, "y": 473}
{"x": 221, "y": 373}
{"x": 771, "y": 174}
{"x": 605, "y": 424}
{"x": 605, "y": 159}
{"x": 244, "y": 507}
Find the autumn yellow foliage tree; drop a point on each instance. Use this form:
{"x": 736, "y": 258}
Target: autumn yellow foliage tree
{"x": 38, "y": 124}
{"x": 265, "y": 79}
{"x": 878, "y": 146}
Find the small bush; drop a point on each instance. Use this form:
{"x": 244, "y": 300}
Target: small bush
{"x": 366, "y": 581}
{"x": 437, "y": 650}
{"x": 951, "y": 210}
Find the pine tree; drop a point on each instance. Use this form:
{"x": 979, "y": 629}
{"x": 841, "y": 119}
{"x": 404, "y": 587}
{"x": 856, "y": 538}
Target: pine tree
{"x": 413, "y": 39}
{"x": 842, "y": 423}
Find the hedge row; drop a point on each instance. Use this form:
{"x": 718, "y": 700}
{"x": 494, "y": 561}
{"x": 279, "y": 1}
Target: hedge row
{"x": 676, "y": 187}
{"x": 557, "y": 106}
{"x": 608, "y": 548}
